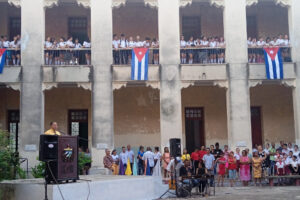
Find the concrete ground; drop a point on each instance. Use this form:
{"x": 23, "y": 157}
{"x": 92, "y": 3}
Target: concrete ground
{"x": 252, "y": 193}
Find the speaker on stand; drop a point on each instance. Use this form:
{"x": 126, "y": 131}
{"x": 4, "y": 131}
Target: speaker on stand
{"x": 175, "y": 147}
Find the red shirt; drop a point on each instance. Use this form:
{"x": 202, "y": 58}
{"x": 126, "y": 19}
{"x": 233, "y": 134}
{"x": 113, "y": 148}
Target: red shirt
{"x": 195, "y": 156}
{"x": 201, "y": 154}
{"x": 231, "y": 163}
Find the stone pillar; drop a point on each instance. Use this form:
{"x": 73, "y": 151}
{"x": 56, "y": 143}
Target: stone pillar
{"x": 170, "y": 83}
{"x": 238, "y": 100}
{"x": 32, "y": 97}
{"x": 294, "y": 29}
{"x": 102, "y": 94}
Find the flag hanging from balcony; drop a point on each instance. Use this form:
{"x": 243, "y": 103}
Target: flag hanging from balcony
{"x": 139, "y": 64}
{"x": 2, "y": 59}
{"x": 273, "y": 60}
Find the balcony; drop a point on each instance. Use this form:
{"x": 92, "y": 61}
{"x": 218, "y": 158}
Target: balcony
{"x": 11, "y": 74}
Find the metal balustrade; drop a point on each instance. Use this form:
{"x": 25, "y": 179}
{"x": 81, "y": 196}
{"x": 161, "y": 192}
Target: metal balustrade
{"x": 256, "y": 54}
{"x": 68, "y": 56}
{"x": 202, "y": 55}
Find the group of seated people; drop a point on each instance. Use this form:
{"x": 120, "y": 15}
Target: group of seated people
{"x": 255, "y": 48}
{"x": 13, "y": 56}
{"x": 67, "y": 52}
{"x": 202, "y": 50}
{"x": 122, "y": 47}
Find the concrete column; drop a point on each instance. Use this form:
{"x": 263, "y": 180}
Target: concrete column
{"x": 170, "y": 84}
{"x": 102, "y": 95}
{"x": 32, "y": 97}
{"x": 238, "y": 100}
{"x": 294, "y": 29}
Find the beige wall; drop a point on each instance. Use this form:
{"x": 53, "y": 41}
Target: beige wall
{"x": 213, "y": 100}
{"x": 272, "y": 20}
{"x": 210, "y": 16}
{"x": 277, "y": 112}
{"x": 9, "y": 100}
{"x": 136, "y": 116}
{"x": 6, "y": 12}
{"x": 57, "y": 19}
{"x": 135, "y": 19}
{"x": 58, "y": 101}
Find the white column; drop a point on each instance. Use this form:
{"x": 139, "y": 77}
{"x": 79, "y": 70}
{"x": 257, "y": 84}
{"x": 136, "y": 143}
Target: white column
{"x": 238, "y": 100}
{"x": 102, "y": 95}
{"x": 32, "y": 97}
{"x": 294, "y": 29}
{"x": 170, "y": 84}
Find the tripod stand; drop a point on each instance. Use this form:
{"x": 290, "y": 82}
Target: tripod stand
{"x": 172, "y": 180}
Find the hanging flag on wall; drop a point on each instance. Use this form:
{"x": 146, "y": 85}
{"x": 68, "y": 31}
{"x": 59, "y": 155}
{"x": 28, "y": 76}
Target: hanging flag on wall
{"x": 273, "y": 60}
{"x": 139, "y": 64}
{"x": 2, "y": 59}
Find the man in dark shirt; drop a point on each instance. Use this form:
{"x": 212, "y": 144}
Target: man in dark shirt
{"x": 186, "y": 172}
{"x": 217, "y": 152}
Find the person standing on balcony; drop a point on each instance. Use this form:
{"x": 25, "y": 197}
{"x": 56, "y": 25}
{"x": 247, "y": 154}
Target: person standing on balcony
{"x": 87, "y": 44}
{"x": 124, "y": 52}
{"x": 48, "y": 52}
{"x": 155, "y": 46}
{"x": 139, "y": 43}
{"x": 116, "y": 52}
{"x": 190, "y": 44}
{"x": 61, "y": 45}
{"x": 182, "y": 50}
{"x": 76, "y": 53}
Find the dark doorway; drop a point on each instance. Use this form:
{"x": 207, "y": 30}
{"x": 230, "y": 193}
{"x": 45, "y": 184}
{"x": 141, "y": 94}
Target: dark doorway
{"x": 252, "y": 26}
{"x": 13, "y": 120}
{"x": 256, "y": 126}
{"x": 194, "y": 128}
{"x": 78, "y": 28}
{"x": 78, "y": 125}
{"x": 191, "y": 26}
{"x": 14, "y": 27}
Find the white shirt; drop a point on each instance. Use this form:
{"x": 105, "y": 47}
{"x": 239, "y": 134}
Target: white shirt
{"x": 70, "y": 44}
{"x": 266, "y": 151}
{"x": 285, "y": 151}
{"x": 139, "y": 44}
{"x": 280, "y": 165}
{"x": 131, "y": 44}
{"x": 147, "y": 44}
{"x": 205, "y": 43}
{"x": 290, "y": 149}
{"x": 294, "y": 163}
{"x": 190, "y": 43}
{"x": 123, "y": 157}
{"x": 115, "y": 157}
{"x": 77, "y": 46}
{"x": 130, "y": 155}
{"x": 123, "y": 43}
{"x": 157, "y": 156}
{"x": 155, "y": 44}
{"x": 116, "y": 43}
{"x": 148, "y": 155}
{"x": 279, "y": 42}
{"x": 213, "y": 44}
{"x": 62, "y": 45}
{"x": 296, "y": 153}
{"x": 272, "y": 43}
{"x": 48, "y": 44}
{"x": 260, "y": 43}
{"x": 12, "y": 44}
{"x": 5, "y": 44}
{"x": 237, "y": 156}
{"x": 287, "y": 161}
{"x": 182, "y": 43}
{"x": 286, "y": 42}
{"x": 87, "y": 44}
{"x": 208, "y": 160}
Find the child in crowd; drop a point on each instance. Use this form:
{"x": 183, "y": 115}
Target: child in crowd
{"x": 232, "y": 166}
{"x": 221, "y": 173}
{"x": 280, "y": 169}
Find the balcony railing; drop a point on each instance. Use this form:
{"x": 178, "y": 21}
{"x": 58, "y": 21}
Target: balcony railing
{"x": 123, "y": 56}
{"x": 202, "y": 55}
{"x": 256, "y": 54}
{"x": 68, "y": 56}
{"x": 13, "y": 57}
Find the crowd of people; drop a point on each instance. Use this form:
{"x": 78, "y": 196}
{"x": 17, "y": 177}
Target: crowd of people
{"x": 213, "y": 161}
{"x": 255, "y": 48}
{"x": 202, "y": 50}
{"x": 67, "y": 52}
{"x": 12, "y": 57}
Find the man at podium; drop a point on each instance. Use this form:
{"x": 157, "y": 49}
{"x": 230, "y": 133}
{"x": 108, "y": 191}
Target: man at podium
{"x": 53, "y": 129}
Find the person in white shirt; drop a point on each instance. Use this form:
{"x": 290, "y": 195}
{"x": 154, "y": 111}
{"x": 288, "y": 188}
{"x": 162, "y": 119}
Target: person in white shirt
{"x": 61, "y": 45}
{"x": 286, "y": 41}
{"x": 76, "y": 53}
{"x": 182, "y": 50}
{"x": 260, "y": 42}
{"x": 279, "y": 41}
{"x": 87, "y": 44}
{"x": 213, "y": 52}
{"x": 138, "y": 43}
{"x": 15, "y": 54}
{"x": 69, "y": 43}
{"x": 249, "y": 41}
{"x": 290, "y": 147}
{"x": 221, "y": 52}
{"x": 116, "y": 44}
{"x": 123, "y": 43}
{"x": 123, "y": 158}
{"x": 285, "y": 150}
{"x": 155, "y": 46}
{"x": 294, "y": 167}
{"x": 148, "y": 158}
{"x": 130, "y": 156}
{"x": 190, "y": 44}
{"x": 48, "y": 52}
{"x": 296, "y": 152}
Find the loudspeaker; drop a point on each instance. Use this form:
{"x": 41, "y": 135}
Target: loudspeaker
{"x": 175, "y": 147}
{"x": 48, "y": 147}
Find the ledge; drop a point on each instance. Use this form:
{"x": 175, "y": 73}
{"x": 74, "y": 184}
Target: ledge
{"x": 11, "y": 74}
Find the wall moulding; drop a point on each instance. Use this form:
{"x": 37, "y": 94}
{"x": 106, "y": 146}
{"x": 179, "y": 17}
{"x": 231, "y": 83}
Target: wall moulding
{"x": 151, "y": 3}
{"x": 16, "y": 3}
{"x": 184, "y": 3}
{"x": 118, "y": 3}
{"x": 50, "y": 3}
{"x": 217, "y": 3}
{"x": 84, "y": 3}
{"x": 251, "y": 2}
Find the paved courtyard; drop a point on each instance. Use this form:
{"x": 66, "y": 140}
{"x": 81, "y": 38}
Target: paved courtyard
{"x": 253, "y": 193}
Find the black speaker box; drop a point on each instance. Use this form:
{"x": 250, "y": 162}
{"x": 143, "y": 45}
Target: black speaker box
{"x": 48, "y": 147}
{"x": 175, "y": 147}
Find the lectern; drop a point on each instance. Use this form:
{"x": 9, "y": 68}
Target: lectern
{"x": 61, "y": 156}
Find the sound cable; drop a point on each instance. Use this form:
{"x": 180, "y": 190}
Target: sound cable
{"x": 55, "y": 179}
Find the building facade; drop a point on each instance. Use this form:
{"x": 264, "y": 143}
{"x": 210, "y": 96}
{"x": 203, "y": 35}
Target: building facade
{"x": 201, "y": 103}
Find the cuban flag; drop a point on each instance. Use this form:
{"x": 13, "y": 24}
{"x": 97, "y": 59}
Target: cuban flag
{"x": 2, "y": 59}
{"x": 139, "y": 64}
{"x": 273, "y": 60}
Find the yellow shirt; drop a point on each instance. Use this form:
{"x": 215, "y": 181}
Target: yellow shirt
{"x": 185, "y": 157}
{"x": 52, "y": 132}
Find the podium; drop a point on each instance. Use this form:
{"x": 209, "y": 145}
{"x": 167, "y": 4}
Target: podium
{"x": 60, "y": 153}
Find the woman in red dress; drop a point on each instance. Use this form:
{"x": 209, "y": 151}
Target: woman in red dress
{"x": 221, "y": 173}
